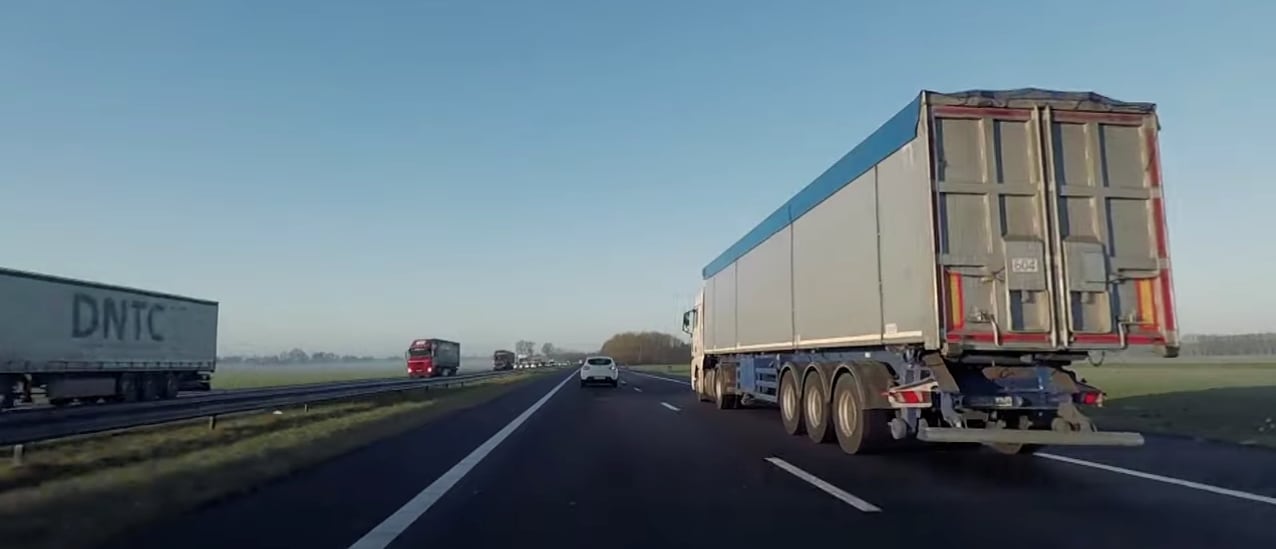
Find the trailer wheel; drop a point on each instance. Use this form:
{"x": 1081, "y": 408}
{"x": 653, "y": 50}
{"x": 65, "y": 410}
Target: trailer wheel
{"x": 815, "y": 407}
{"x": 6, "y": 392}
{"x": 790, "y": 404}
{"x": 169, "y": 388}
{"x": 150, "y": 387}
{"x": 858, "y": 430}
{"x": 128, "y": 390}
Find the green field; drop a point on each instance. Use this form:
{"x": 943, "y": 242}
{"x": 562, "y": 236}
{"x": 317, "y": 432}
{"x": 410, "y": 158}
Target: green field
{"x": 672, "y": 369}
{"x": 247, "y": 377}
{"x": 1228, "y": 400}
{"x": 1224, "y": 401}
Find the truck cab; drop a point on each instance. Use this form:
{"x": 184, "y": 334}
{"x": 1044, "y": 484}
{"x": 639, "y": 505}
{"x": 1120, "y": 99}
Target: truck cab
{"x": 693, "y": 325}
{"x": 432, "y": 358}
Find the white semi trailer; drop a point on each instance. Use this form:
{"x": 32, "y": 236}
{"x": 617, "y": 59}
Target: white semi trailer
{"x": 86, "y": 341}
{"x": 938, "y": 280}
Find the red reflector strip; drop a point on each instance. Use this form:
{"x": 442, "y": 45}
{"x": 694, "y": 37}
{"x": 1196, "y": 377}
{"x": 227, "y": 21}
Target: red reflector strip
{"x": 911, "y": 397}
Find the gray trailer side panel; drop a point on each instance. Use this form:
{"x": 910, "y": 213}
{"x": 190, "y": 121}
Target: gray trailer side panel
{"x": 722, "y": 317}
{"x": 708, "y": 314}
{"x": 835, "y": 268}
{"x": 58, "y": 325}
{"x": 910, "y": 306}
{"x": 764, "y": 313}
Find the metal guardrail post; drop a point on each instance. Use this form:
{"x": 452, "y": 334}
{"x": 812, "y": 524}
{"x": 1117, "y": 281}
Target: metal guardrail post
{"x": 19, "y": 454}
{"x": 212, "y": 422}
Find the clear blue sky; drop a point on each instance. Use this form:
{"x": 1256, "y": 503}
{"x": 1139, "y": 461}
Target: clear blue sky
{"x": 348, "y": 175}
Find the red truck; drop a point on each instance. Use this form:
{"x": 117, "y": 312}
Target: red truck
{"x": 433, "y": 358}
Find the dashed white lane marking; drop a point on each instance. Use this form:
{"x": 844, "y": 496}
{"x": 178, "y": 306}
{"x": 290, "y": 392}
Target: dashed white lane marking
{"x": 1168, "y": 480}
{"x": 821, "y": 484}
{"x": 383, "y": 534}
{"x": 639, "y": 389}
{"x": 669, "y": 406}
{"x": 661, "y": 378}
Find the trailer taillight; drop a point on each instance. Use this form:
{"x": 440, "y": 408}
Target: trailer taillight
{"x": 1090, "y": 398}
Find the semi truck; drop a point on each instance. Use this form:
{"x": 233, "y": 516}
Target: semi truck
{"x": 503, "y": 360}
{"x": 938, "y": 281}
{"x": 433, "y": 358}
{"x": 86, "y": 341}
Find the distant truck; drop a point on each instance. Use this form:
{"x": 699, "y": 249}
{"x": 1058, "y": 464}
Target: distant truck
{"x": 503, "y": 360}
{"x": 433, "y": 358}
{"x": 937, "y": 281}
{"x": 87, "y": 341}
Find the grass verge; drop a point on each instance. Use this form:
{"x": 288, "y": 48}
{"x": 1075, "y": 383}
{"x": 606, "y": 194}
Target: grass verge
{"x": 667, "y": 369}
{"x": 82, "y": 491}
{"x": 1229, "y": 402}
{"x": 249, "y": 377}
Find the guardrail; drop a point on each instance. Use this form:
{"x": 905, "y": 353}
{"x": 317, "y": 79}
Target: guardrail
{"x": 24, "y": 429}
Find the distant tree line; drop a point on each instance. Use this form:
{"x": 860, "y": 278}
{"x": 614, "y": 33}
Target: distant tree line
{"x": 647, "y": 348}
{"x": 1229, "y": 345}
{"x": 298, "y": 356}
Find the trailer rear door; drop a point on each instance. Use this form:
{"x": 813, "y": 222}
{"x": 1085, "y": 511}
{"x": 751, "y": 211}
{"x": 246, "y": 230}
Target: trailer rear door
{"x": 1051, "y": 228}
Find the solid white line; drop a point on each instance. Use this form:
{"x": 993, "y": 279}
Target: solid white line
{"x": 660, "y": 378}
{"x": 1168, "y": 480}
{"x": 669, "y": 406}
{"x": 821, "y": 484}
{"x": 639, "y": 389}
{"x": 390, "y": 528}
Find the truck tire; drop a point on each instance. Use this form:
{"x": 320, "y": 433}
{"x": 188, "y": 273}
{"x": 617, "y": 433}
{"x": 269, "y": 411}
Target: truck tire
{"x": 127, "y": 388}
{"x": 858, "y": 430}
{"x": 151, "y": 384}
{"x": 169, "y": 387}
{"x": 721, "y": 398}
{"x": 702, "y": 393}
{"x": 815, "y": 410}
{"x": 6, "y": 392}
{"x": 710, "y": 383}
{"x": 790, "y": 404}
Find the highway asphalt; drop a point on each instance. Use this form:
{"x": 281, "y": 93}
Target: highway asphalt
{"x": 552, "y": 464}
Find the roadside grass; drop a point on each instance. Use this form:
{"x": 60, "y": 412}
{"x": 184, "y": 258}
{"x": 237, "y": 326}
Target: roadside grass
{"x": 1230, "y": 402}
{"x": 80, "y": 492}
{"x": 249, "y": 377}
{"x": 668, "y": 369}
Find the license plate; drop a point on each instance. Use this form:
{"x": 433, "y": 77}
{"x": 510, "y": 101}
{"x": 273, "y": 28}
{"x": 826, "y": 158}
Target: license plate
{"x": 1003, "y": 401}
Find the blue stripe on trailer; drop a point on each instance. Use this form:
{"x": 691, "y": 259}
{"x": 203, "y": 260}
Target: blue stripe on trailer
{"x": 888, "y": 138}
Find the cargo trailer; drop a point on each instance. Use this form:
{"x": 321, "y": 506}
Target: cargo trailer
{"x": 86, "y": 341}
{"x": 937, "y": 281}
